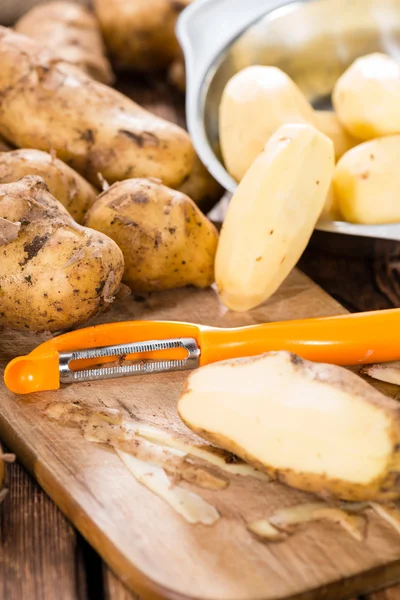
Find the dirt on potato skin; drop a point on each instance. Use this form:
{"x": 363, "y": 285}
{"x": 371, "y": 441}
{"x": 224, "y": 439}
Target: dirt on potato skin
{"x": 92, "y": 127}
{"x": 54, "y": 274}
{"x": 166, "y": 240}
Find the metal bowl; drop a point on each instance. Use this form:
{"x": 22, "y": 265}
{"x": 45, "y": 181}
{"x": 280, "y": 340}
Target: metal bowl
{"x": 314, "y": 41}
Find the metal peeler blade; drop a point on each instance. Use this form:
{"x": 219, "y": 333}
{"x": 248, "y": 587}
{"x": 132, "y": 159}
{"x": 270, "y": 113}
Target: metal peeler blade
{"x": 123, "y": 351}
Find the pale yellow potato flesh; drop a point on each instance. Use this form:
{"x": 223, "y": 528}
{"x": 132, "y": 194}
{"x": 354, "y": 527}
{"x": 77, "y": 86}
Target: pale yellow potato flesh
{"x": 367, "y": 182}
{"x": 331, "y": 211}
{"x": 272, "y": 215}
{"x": 255, "y": 103}
{"x": 366, "y": 97}
{"x": 319, "y": 428}
{"x": 328, "y": 122}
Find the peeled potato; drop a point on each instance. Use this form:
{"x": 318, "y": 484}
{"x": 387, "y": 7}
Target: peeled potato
{"x": 367, "y": 182}
{"x": 272, "y": 215}
{"x": 366, "y": 97}
{"x": 316, "y": 427}
{"x": 329, "y": 124}
{"x": 331, "y": 211}
{"x": 255, "y": 103}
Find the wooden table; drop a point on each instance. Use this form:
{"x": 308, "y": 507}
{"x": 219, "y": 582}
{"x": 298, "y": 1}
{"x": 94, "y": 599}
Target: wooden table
{"x": 42, "y": 557}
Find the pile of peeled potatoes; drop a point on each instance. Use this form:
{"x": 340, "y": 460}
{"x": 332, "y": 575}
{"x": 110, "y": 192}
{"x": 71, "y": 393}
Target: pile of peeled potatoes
{"x": 364, "y": 127}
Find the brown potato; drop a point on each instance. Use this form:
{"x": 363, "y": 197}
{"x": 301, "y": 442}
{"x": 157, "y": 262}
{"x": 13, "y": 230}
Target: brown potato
{"x": 67, "y": 186}
{"x": 201, "y": 187}
{"x": 72, "y": 33}
{"x": 166, "y": 241}
{"x": 140, "y": 34}
{"x": 54, "y": 274}
{"x": 90, "y": 126}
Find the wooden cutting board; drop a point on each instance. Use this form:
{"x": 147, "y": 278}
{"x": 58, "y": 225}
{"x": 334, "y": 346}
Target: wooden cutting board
{"x": 149, "y": 546}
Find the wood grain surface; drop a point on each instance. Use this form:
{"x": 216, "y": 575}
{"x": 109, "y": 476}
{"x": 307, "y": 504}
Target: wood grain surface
{"x": 41, "y": 555}
{"x": 148, "y": 545}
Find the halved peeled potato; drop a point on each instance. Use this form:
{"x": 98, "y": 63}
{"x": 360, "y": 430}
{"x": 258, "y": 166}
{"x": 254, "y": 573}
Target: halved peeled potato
{"x": 255, "y": 103}
{"x": 315, "y": 427}
{"x": 367, "y": 182}
{"x": 272, "y": 215}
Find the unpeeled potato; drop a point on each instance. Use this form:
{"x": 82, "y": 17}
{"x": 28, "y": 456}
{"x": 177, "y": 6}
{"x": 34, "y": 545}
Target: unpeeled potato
{"x": 65, "y": 184}
{"x": 92, "y": 127}
{"x": 255, "y": 103}
{"x": 54, "y": 274}
{"x": 72, "y": 32}
{"x": 140, "y": 34}
{"x": 367, "y": 182}
{"x": 166, "y": 240}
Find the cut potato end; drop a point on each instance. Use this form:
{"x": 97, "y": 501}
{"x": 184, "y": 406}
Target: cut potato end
{"x": 316, "y": 427}
{"x": 272, "y": 215}
{"x": 186, "y": 503}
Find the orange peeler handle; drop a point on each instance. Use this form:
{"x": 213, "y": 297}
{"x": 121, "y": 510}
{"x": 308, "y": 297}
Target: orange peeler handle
{"x": 343, "y": 340}
{"x": 39, "y": 371}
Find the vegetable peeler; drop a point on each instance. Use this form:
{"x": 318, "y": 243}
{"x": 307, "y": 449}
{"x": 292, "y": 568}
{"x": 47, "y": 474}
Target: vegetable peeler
{"x": 140, "y": 347}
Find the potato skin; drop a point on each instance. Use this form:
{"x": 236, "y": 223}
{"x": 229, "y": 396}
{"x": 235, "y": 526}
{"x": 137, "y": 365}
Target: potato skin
{"x": 91, "y": 127}
{"x": 67, "y": 186}
{"x": 140, "y": 34}
{"x": 72, "y": 33}
{"x": 54, "y": 274}
{"x": 166, "y": 241}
